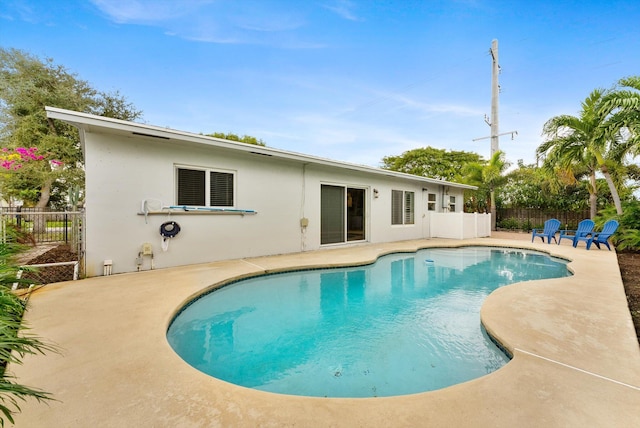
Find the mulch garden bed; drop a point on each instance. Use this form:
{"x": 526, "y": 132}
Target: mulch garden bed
{"x": 629, "y": 263}
{"x": 47, "y": 275}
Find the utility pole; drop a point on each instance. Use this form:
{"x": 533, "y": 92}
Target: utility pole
{"x": 494, "y": 120}
{"x": 495, "y": 95}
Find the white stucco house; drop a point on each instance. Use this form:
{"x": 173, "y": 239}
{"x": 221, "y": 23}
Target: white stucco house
{"x": 234, "y": 200}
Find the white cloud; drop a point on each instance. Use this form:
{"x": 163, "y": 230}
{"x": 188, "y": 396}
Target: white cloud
{"x": 24, "y": 12}
{"x": 344, "y": 9}
{"x": 148, "y": 11}
{"x": 215, "y": 21}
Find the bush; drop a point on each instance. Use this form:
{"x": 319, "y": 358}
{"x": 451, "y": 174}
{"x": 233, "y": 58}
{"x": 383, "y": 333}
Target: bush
{"x": 627, "y": 237}
{"x": 14, "y": 343}
{"x": 509, "y": 224}
{"x": 526, "y": 225}
{"x": 515, "y": 224}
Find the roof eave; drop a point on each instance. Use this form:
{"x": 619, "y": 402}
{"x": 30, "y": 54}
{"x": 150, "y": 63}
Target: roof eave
{"x": 85, "y": 121}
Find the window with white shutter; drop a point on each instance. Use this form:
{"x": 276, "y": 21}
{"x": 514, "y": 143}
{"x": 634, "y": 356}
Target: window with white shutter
{"x": 402, "y": 207}
{"x": 204, "y": 187}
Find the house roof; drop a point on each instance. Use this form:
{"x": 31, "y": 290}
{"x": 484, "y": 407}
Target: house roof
{"x": 99, "y": 124}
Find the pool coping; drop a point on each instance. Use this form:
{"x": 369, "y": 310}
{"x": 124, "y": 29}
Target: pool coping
{"x": 576, "y": 357}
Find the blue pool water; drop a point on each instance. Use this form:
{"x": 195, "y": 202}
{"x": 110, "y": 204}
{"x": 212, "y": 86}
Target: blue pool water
{"x": 408, "y": 323}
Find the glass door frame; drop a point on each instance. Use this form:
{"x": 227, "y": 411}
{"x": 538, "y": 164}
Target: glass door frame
{"x": 351, "y": 216}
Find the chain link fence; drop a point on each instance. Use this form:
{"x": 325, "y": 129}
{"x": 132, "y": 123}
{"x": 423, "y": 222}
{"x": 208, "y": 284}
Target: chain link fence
{"x": 47, "y": 273}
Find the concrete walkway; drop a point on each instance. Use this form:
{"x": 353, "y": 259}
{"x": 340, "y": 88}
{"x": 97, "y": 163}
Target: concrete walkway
{"x": 576, "y": 357}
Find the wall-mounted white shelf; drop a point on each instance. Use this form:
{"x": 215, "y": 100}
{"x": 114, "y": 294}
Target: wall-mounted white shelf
{"x": 197, "y": 212}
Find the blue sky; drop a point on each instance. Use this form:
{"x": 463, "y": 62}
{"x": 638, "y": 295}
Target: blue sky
{"x": 346, "y": 80}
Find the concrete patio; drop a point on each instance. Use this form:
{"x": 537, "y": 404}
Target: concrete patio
{"x": 576, "y": 357}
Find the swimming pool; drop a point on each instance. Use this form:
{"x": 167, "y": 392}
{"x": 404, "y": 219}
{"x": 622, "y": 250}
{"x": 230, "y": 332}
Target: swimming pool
{"x": 405, "y": 324}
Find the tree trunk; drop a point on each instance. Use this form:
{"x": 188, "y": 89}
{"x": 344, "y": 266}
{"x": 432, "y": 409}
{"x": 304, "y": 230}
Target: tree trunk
{"x": 593, "y": 196}
{"x": 40, "y": 221}
{"x": 45, "y": 194}
{"x": 612, "y": 189}
{"x": 493, "y": 209}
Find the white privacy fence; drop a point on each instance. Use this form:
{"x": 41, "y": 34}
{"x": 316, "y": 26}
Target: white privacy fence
{"x": 460, "y": 225}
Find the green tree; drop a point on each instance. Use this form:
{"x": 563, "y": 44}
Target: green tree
{"x": 566, "y": 160}
{"x": 627, "y": 237}
{"x": 522, "y": 188}
{"x": 247, "y": 139}
{"x": 27, "y": 85}
{"x": 631, "y": 111}
{"x": 476, "y": 200}
{"x": 529, "y": 186}
{"x": 488, "y": 176}
{"x": 431, "y": 162}
{"x": 624, "y": 104}
{"x": 586, "y": 140}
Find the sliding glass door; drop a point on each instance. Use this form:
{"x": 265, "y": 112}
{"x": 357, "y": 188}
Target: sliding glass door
{"x": 332, "y": 214}
{"x": 342, "y": 216}
{"x": 355, "y": 214}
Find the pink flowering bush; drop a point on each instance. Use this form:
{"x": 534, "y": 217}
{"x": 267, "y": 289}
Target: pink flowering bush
{"x": 15, "y": 159}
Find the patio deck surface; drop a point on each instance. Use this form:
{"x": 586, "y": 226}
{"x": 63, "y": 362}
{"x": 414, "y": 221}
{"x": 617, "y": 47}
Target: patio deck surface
{"x": 576, "y": 357}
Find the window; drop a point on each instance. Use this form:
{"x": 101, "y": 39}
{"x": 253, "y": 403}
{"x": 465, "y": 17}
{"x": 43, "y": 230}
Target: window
{"x": 396, "y": 206}
{"x": 402, "y": 207}
{"x": 204, "y": 187}
{"x": 408, "y": 208}
{"x": 452, "y": 204}
{"x": 431, "y": 202}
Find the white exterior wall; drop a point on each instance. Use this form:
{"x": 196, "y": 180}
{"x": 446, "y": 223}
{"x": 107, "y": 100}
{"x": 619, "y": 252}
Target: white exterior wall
{"x": 378, "y": 227}
{"x": 127, "y": 163}
{"x": 123, "y": 170}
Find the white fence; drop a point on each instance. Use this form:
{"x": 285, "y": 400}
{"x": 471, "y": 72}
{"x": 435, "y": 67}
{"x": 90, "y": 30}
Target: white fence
{"x": 460, "y": 225}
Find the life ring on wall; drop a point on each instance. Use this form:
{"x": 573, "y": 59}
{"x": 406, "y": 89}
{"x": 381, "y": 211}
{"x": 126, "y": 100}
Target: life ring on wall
{"x": 169, "y": 229}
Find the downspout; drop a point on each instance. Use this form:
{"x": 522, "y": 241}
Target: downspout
{"x": 304, "y": 221}
{"x": 425, "y": 211}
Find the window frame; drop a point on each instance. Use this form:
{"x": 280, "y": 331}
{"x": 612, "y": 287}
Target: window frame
{"x": 348, "y": 210}
{"x": 432, "y": 205}
{"x": 207, "y": 184}
{"x": 403, "y": 207}
{"x": 452, "y": 203}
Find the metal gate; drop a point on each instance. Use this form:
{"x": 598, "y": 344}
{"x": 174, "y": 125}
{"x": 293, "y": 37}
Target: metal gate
{"x": 40, "y": 231}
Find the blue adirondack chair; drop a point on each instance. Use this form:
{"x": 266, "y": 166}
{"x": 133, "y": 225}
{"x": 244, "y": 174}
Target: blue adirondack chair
{"x": 551, "y": 226}
{"x": 585, "y": 227}
{"x": 601, "y": 237}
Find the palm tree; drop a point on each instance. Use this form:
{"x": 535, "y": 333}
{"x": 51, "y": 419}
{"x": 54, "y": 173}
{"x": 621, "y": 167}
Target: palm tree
{"x": 585, "y": 140}
{"x": 566, "y": 159}
{"x": 478, "y": 199}
{"x": 492, "y": 175}
{"x": 488, "y": 177}
{"x": 624, "y": 105}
